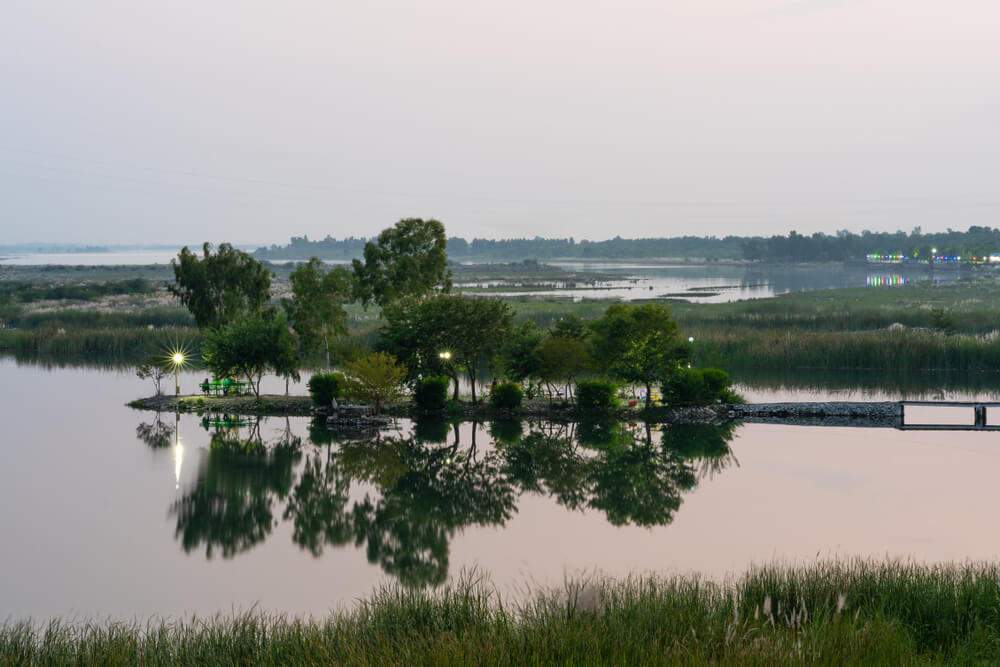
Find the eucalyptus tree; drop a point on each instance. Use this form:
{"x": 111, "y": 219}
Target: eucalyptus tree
{"x": 219, "y": 287}
{"x": 316, "y": 309}
{"x": 406, "y": 260}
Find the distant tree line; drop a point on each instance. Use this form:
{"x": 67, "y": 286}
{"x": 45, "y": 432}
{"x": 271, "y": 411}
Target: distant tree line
{"x": 793, "y": 247}
{"x": 847, "y": 246}
{"x": 300, "y": 247}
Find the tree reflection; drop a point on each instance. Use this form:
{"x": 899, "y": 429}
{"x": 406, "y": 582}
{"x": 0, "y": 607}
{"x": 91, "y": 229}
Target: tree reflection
{"x": 426, "y": 494}
{"x": 157, "y": 435}
{"x": 230, "y": 507}
{"x": 404, "y": 498}
{"x": 317, "y": 506}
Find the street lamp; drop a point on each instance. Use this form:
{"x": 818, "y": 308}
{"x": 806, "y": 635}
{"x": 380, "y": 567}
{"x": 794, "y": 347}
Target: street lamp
{"x": 178, "y": 359}
{"x": 444, "y": 356}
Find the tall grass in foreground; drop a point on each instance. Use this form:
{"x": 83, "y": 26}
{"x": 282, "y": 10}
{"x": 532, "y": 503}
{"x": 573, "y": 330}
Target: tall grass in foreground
{"x": 857, "y": 612}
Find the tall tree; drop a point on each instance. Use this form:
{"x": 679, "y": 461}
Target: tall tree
{"x": 316, "y": 309}
{"x": 638, "y": 344}
{"x": 406, "y": 260}
{"x": 219, "y": 287}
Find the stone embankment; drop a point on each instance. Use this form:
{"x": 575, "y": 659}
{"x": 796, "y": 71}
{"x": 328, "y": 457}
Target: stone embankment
{"x": 820, "y": 413}
{"x": 266, "y": 404}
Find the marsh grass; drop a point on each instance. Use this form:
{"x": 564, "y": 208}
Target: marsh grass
{"x": 853, "y": 612}
{"x": 897, "y": 351}
{"x": 112, "y": 346}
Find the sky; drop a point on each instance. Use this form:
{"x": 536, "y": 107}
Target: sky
{"x": 253, "y": 121}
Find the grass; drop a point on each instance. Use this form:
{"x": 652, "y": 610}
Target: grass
{"x": 969, "y": 307}
{"x": 848, "y": 612}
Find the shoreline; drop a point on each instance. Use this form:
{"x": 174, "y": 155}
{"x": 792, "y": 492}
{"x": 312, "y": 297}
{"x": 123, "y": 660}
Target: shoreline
{"x": 820, "y": 413}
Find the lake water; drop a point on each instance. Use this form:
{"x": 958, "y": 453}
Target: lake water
{"x": 721, "y": 282}
{"x": 100, "y": 522}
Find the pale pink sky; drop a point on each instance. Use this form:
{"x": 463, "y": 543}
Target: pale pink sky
{"x": 253, "y": 121}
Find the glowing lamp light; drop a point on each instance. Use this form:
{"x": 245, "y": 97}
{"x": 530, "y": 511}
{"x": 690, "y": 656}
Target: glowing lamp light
{"x": 445, "y": 355}
{"x": 178, "y": 358}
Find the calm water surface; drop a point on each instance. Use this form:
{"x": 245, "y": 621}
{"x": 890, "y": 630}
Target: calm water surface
{"x": 108, "y": 513}
{"x": 720, "y": 282}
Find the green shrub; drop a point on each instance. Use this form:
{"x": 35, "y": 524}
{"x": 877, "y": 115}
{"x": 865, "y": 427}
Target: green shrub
{"x": 324, "y": 387}
{"x": 432, "y": 393}
{"x": 596, "y": 396}
{"x": 692, "y": 386}
{"x": 506, "y": 395}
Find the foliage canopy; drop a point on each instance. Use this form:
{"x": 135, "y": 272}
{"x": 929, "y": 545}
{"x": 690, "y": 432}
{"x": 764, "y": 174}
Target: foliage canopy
{"x": 406, "y": 260}
{"x": 220, "y": 286}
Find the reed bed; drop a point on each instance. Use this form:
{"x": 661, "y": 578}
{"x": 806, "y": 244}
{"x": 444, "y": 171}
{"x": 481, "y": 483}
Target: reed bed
{"x": 903, "y": 351}
{"x": 849, "y": 612}
{"x": 966, "y": 307}
{"x": 111, "y": 346}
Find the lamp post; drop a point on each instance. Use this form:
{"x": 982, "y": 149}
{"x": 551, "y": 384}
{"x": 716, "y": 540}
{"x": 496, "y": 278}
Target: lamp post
{"x": 178, "y": 360}
{"x": 444, "y": 356}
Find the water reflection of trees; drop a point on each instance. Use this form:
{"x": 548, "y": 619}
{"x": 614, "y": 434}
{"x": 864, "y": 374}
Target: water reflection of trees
{"x": 231, "y": 505}
{"x": 403, "y": 498}
{"x": 157, "y": 434}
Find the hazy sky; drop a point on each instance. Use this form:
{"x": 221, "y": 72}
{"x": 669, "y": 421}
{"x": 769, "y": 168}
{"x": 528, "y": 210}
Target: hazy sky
{"x": 251, "y": 121}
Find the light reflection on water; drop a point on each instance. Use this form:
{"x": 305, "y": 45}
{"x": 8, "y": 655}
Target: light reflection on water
{"x": 109, "y": 511}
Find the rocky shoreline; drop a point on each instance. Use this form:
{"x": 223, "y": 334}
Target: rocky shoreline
{"x": 887, "y": 413}
{"x": 808, "y": 413}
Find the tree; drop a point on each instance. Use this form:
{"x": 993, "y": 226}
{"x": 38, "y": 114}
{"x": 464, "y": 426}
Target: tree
{"x": 316, "y": 309}
{"x": 407, "y": 260}
{"x": 469, "y": 330}
{"x": 518, "y": 354}
{"x": 374, "y": 378}
{"x": 152, "y": 369}
{"x": 250, "y": 347}
{"x": 570, "y": 326}
{"x": 638, "y": 344}
{"x": 219, "y": 287}
{"x": 561, "y": 359}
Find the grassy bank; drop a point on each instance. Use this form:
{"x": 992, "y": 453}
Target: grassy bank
{"x": 859, "y": 612}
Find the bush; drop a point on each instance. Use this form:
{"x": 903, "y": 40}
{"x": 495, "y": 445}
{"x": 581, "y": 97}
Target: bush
{"x": 432, "y": 393}
{"x": 506, "y": 395}
{"x": 596, "y": 396}
{"x": 691, "y": 386}
{"x": 324, "y": 387}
